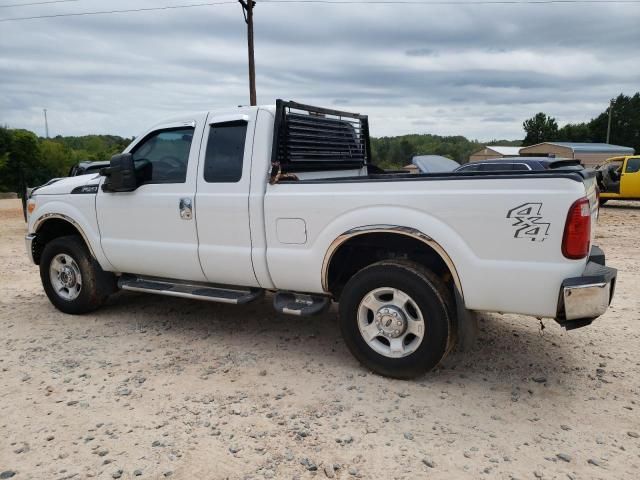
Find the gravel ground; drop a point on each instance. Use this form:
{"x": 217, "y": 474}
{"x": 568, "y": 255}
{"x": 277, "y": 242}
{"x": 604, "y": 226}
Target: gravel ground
{"x": 155, "y": 387}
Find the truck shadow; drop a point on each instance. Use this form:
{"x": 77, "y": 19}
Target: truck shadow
{"x": 509, "y": 348}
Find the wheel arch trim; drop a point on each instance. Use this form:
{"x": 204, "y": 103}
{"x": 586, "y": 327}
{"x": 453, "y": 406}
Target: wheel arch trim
{"x": 50, "y": 216}
{"x": 394, "y": 229}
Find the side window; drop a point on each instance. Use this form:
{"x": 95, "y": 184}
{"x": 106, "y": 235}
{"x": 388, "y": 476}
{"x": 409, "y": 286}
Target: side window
{"x": 497, "y": 167}
{"x": 633, "y": 165}
{"x": 225, "y": 152}
{"x": 521, "y": 166}
{"x": 469, "y": 168}
{"x": 165, "y": 155}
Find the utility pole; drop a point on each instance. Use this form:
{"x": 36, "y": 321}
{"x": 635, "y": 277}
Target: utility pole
{"x": 46, "y": 123}
{"x": 247, "y": 10}
{"x": 609, "y": 123}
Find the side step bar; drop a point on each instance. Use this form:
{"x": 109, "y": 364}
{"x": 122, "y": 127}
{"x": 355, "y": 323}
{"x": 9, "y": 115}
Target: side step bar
{"x": 300, "y": 304}
{"x": 176, "y": 288}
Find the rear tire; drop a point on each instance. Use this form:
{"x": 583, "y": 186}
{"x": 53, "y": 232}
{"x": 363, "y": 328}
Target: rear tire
{"x": 72, "y": 279}
{"x": 397, "y": 318}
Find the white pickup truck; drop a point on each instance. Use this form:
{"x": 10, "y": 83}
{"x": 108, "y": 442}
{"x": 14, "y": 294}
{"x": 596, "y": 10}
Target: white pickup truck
{"x": 223, "y": 206}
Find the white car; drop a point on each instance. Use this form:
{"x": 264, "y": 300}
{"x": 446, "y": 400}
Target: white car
{"x": 223, "y": 206}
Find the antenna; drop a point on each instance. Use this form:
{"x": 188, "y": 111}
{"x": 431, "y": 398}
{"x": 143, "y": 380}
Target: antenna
{"x": 46, "y": 123}
{"x": 609, "y": 121}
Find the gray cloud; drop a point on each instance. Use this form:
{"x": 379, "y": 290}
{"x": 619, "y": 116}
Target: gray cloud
{"x": 472, "y": 70}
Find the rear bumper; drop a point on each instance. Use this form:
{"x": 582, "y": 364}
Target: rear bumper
{"x": 585, "y": 298}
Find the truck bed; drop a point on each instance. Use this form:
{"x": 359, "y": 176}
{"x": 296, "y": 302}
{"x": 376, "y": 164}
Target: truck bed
{"x": 469, "y": 215}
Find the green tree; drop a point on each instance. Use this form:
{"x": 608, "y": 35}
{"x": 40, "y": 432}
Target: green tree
{"x": 28, "y": 160}
{"x": 540, "y": 128}
{"x": 23, "y": 162}
{"x": 396, "y": 152}
{"x": 575, "y": 132}
{"x": 57, "y": 157}
{"x": 5, "y": 148}
{"x": 625, "y": 123}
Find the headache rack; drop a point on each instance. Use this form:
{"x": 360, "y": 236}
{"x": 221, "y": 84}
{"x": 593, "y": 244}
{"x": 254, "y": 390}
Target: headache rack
{"x": 307, "y": 138}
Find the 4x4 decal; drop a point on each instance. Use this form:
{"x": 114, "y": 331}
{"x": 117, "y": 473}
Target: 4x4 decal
{"x": 528, "y": 222}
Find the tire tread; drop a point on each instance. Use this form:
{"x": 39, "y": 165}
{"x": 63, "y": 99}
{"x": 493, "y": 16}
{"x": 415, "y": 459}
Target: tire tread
{"x": 400, "y": 368}
{"x": 96, "y": 283}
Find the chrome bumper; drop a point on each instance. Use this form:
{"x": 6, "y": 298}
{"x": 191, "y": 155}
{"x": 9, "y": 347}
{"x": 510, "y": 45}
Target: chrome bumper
{"x": 585, "y": 298}
{"x": 586, "y": 301}
{"x": 28, "y": 240}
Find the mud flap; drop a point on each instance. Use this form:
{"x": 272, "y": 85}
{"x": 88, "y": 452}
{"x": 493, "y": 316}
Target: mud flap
{"x": 467, "y": 325}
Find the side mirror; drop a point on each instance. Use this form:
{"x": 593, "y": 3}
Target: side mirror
{"x": 121, "y": 174}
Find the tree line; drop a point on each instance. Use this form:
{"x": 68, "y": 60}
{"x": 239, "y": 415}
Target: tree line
{"x": 396, "y": 152}
{"x": 625, "y": 126}
{"x": 26, "y": 159}
{"x": 29, "y": 160}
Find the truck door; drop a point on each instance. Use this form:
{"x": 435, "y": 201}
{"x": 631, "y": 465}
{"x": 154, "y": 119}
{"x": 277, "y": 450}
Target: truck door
{"x": 222, "y": 198}
{"x": 630, "y": 181}
{"x": 152, "y": 230}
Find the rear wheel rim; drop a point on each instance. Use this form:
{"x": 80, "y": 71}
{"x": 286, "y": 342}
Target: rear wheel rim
{"x": 65, "y": 277}
{"x": 390, "y": 322}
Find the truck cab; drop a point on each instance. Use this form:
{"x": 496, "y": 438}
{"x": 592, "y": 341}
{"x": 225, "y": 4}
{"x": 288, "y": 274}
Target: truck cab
{"x": 619, "y": 179}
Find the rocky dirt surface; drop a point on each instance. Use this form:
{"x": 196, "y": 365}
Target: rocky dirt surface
{"x": 155, "y": 387}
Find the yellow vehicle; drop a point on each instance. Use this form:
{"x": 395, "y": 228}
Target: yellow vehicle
{"x": 619, "y": 179}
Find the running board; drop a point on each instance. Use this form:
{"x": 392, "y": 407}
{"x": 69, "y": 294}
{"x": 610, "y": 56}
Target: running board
{"x": 198, "y": 291}
{"x": 300, "y": 304}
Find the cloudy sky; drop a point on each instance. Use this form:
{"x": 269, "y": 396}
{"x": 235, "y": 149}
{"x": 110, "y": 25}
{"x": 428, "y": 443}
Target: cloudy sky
{"x": 473, "y": 70}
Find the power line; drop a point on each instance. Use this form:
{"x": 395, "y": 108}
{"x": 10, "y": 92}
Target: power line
{"x": 380, "y": 2}
{"x": 332, "y": 2}
{"x": 36, "y": 3}
{"x": 107, "y": 12}
{"x": 450, "y": 2}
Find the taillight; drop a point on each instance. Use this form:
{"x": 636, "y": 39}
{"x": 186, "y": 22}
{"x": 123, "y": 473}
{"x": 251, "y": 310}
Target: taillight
{"x": 577, "y": 231}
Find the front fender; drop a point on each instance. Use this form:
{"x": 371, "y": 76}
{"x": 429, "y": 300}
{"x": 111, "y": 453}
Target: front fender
{"x": 81, "y": 214}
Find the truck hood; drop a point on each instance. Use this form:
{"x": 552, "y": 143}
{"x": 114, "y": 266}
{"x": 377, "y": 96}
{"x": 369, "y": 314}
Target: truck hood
{"x": 66, "y": 185}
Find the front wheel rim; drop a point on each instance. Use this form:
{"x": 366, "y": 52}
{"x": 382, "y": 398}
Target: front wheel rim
{"x": 65, "y": 277}
{"x": 390, "y": 322}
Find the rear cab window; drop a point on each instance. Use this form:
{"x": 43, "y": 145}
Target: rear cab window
{"x": 225, "y": 152}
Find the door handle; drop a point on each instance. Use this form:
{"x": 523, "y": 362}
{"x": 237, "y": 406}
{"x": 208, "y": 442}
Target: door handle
{"x": 186, "y": 209}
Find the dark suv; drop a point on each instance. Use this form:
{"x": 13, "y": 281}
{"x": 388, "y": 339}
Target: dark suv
{"x": 82, "y": 168}
{"x": 520, "y": 164}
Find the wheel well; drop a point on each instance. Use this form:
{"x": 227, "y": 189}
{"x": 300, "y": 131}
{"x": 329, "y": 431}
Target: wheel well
{"x": 49, "y": 230}
{"x": 365, "y": 249}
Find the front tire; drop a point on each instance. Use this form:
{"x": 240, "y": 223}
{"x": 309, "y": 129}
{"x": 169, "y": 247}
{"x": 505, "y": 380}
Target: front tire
{"x": 72, "y": 278}
{"x": 396, "y": 318}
